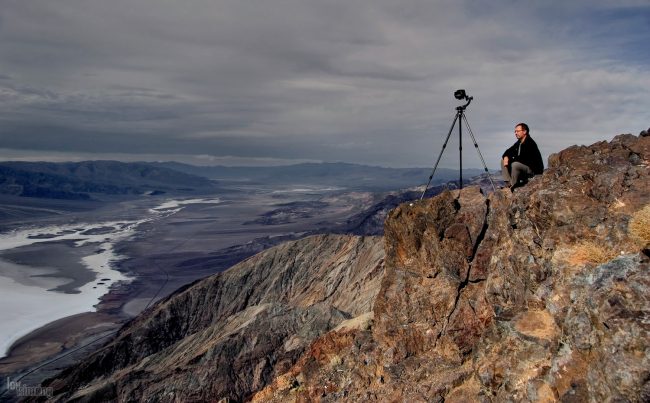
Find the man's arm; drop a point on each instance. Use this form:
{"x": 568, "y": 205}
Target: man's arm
{"x": 510, "y": 153}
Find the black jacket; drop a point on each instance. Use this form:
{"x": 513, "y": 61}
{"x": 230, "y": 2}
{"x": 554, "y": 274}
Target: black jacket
{"x": 528, "y": 155}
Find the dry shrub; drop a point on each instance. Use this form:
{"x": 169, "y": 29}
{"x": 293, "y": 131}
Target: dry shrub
{"x": 590, "y": 252}
{"x": 639, "y": 226}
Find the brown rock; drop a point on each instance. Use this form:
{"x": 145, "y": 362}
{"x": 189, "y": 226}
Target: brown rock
{"x": 535, "y": 325}
{"x": 484, "y": 300}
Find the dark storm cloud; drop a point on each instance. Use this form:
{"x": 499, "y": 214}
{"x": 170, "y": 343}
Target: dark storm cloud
{"x": 359, "y": 81}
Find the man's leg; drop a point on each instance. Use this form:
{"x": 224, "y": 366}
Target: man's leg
{"x": 519, "y": 171}
{"x": 505, "y": 173}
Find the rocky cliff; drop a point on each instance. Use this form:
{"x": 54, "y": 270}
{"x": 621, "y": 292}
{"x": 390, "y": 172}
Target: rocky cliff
{"x": 540, "y": 295}
{"x": 536, "y": 295}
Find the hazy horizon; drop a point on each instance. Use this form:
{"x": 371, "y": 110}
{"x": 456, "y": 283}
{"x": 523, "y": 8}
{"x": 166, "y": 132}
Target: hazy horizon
{"x": 276, "y": 164}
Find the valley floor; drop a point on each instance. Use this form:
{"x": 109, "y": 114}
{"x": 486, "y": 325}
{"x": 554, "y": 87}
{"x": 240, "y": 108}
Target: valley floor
{"x": 168, "y": 248}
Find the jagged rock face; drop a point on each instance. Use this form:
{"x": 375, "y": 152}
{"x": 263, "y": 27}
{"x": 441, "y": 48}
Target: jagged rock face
{"x": 539, "y": 295}
{"x": 228, "y": 335}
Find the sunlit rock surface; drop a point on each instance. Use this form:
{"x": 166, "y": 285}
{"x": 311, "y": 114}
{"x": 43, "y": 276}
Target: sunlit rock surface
{"x": 539, "y": 295}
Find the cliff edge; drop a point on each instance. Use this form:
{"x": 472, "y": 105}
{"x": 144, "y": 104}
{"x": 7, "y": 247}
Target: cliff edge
{"x": 540, "y": 295}
{"x": 536, "y": 295}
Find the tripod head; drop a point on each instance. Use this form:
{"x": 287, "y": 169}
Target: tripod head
{"x": 461, "y": 94}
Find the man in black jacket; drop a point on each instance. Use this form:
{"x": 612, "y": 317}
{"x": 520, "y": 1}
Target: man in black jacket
{"x": 523, "y": 160}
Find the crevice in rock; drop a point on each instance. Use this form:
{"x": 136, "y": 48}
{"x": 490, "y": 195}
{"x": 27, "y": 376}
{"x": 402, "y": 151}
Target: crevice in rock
{"x": 458, "y": 293}
{"x": 466, "y": 281}
{"x": 481, "y": 235}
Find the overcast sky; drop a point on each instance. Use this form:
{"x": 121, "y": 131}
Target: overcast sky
{"x": 285, "y": 81}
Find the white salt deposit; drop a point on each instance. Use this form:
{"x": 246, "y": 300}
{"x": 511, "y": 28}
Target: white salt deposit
{"x": 28, "y": 305}
{"x": 307, "y": 189}
{"x": 174, "y": 204}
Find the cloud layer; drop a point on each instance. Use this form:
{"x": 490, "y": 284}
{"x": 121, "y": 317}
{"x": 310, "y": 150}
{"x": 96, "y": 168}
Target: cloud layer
{"x": 357, "y": 81}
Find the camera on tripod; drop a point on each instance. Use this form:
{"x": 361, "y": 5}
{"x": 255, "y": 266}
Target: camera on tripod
{"x": 460, "y": 94}
{"x": 460, "y": 117}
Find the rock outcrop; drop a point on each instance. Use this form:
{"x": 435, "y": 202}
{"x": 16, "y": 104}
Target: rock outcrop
{"x": 536, "y": 295}
{"x": 228, "y": 335}
{"x": 540, "y": 295}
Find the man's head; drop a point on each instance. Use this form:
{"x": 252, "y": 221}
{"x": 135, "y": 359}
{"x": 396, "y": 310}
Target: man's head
{"x": 521, "y": 131}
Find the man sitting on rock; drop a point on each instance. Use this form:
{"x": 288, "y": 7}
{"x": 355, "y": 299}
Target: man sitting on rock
{"x": 523, "y": 160}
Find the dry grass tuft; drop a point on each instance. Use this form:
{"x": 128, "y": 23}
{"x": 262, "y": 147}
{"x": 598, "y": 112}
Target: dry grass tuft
{"x": 639, "y": 226}
{"x": 590, "y": 252}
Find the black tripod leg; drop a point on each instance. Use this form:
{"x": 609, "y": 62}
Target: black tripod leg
{"x": 440, "y": 155}
{"x": 479, "y": 152}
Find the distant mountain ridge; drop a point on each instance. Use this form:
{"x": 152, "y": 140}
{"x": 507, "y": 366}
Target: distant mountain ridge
{"x": 350, "y": 176}
{"x": 77, "y": 180}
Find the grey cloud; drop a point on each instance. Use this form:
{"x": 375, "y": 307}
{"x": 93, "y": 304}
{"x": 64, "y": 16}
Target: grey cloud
{"x": 364, "y": 81}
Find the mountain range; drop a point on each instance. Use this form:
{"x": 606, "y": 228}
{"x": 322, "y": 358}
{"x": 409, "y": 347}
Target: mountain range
{"x": 339, "y": 174}
{"x": 535, "y": 295}
{"x": 88, "y": 179}
{"x": 79, "y": 180}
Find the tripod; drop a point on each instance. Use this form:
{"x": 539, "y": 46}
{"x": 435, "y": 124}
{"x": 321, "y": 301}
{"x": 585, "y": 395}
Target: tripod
{"x": 460, "y": 117}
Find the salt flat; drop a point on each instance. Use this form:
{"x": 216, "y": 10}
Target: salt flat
{"x": 29, "y": 295}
